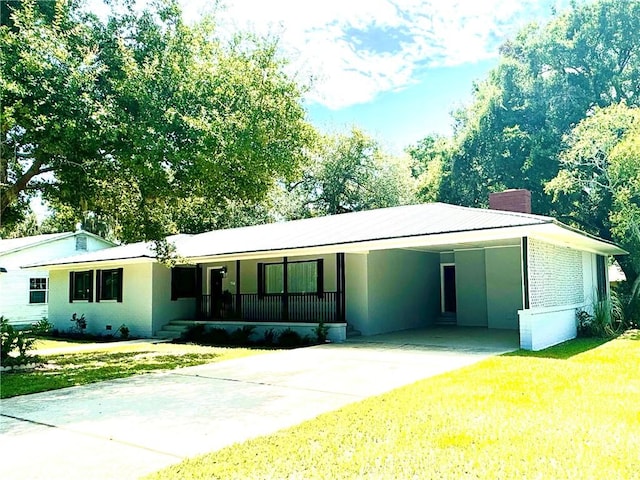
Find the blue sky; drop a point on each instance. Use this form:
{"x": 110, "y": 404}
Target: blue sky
{"x": 396, "y": 68}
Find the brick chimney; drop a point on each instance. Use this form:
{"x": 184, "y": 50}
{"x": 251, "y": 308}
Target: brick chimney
{"x": 511, "y": 201}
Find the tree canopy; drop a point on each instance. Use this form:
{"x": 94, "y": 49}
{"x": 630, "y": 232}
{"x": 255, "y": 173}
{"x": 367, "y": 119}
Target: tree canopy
{"x": 142, "y": 120}
{"x": 556, "y": 117}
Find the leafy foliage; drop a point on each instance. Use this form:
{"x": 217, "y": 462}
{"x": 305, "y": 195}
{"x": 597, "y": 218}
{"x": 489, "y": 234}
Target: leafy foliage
{"x": 16, "y": 343}
{"x": 141, "y": 117}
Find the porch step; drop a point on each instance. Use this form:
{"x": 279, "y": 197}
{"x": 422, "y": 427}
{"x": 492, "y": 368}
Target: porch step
{"x": 174, "y": 329}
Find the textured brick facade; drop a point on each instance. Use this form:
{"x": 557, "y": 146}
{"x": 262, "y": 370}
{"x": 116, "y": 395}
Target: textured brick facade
{"x": 511, "y": 201}
{"x": 555, "y": 275}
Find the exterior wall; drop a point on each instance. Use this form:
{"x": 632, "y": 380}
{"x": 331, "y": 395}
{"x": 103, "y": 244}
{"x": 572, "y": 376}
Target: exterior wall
{"x": 163, "y": 308}
{"x": 545, "y": 327}
{"x": 504, "y": 286}
{"x": 356, "y": 291}
{"x": 14, "y": 297}
{"x": 135, "y": 310}
{"x": 403, "y": 290}
{"x": 471, "y": 288}
{"x": 14, "y": 285}
{"x": 561, "y": 280}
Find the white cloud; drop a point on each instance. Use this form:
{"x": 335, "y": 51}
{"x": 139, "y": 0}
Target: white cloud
{"x": 328, "y": 40}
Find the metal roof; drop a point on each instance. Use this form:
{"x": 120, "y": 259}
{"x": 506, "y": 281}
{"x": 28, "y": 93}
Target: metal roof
{"x": 395, "y": 227}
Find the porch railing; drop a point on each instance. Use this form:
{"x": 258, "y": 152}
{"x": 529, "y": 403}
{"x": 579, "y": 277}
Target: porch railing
{"x": 298, "y": 307}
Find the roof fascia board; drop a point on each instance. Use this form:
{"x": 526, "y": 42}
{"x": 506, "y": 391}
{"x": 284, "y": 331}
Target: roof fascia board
{"x": 93, "y": 264}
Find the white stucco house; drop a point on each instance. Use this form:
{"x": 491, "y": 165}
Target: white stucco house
{"x": 375, "y": 271}
{"x": 24, "y": 294}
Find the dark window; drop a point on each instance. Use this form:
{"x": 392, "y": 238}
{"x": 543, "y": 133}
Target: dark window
{"x": 601, "y": 272}
{"x": 81, "y": 285}
{"x": 38, "y": 290}
{"x": 302, "y": 277}
{"x": 109, "y": 284}
{"x": 183, "y": 282}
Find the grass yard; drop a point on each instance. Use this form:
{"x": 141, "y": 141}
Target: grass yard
{"x": 116, "y": 361}
{"x": 569, "y": 412}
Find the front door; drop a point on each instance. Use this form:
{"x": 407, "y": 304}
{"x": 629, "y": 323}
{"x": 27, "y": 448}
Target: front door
{"x": 215, "y": 290}
{"x": 449, "y": 289}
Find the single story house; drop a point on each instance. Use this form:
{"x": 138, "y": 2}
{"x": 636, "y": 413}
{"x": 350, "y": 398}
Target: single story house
{"x": 373, "y": 271}
{"x": 24, "y": 294}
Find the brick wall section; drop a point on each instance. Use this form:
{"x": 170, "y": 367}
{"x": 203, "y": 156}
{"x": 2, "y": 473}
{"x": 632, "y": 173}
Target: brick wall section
{"x": 555, "y": 275}
{"x": 511, "y": 201}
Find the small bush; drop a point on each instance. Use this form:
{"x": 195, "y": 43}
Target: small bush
{"x": 289, "y": 338}
{"x": 242, "y": 335}
{"x": 321, "y": 331}
{"x": 80, "y": 323}
{"x": 269, "y": 337}
{"x": 195, "y": 333}
{"x": 123, "y": 330}
{"x": 15, "y": 344}
{"x": 606, "y": 319}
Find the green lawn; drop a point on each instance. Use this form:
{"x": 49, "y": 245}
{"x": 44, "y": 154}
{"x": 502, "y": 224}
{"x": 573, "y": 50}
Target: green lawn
{"x": 570, "y": 412}
{"x": 117, "y": 361}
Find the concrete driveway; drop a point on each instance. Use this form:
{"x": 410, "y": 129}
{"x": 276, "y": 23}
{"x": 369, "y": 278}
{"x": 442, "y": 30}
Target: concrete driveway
{"x": 130, "y": 427}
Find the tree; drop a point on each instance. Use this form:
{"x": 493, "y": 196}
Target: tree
{"x": 549, "y": 78}
{"x": 347, "y": 173}
{"x": 142, "y": 118}
{"x": 599, "y": 180}
{"x": 431, "y": 158}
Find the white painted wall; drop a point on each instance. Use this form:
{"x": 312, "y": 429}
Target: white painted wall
{"x": 356, "y": 290}
{"x": 504, "y": 286}
{"x": 544, "y": 327}
{"x": 471, "y": 288}
{"x": 135, "y": 310}
{"x": 561, "y": 282}
{"x": 163, "y": 308}
{"x": 403, "y": 290}
{"x": 14, "y": 285}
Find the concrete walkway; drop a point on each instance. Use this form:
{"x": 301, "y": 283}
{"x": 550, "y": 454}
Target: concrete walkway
{"x": 130, "y": 427}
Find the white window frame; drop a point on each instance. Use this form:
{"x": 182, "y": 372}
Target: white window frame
{"x": 45, "y": 290}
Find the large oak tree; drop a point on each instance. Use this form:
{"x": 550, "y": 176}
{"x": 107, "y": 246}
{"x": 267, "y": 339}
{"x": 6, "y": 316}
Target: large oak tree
{"x": 140, "y": 119}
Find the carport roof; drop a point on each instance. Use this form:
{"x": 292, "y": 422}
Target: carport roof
{"x": 411, "y": 226}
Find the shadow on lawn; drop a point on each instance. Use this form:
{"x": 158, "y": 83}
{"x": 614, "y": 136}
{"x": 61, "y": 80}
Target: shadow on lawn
{"x": 564, "y": 350}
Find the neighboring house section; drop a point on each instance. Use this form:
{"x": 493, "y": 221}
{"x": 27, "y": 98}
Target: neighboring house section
{"x": 369, "y": 272}
{"x": 24, "y": 294}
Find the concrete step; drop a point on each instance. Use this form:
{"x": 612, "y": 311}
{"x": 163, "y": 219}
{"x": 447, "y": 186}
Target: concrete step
{"x": 176, "y": 328}
{"x": 168, "y": 334}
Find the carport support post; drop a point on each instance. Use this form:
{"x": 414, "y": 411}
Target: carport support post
{"x": 285, "y": 288}
{"x": 238, "y": 297}
{"x": 340, "y": 282}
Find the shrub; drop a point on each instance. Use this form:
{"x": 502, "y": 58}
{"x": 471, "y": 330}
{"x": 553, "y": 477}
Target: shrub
{"x": 81, "y": 323}
{"x": 42, "y": 327}
{"x": 269, "y": 336}
{"x": 321, "y": 331}
{"x": 123, "y": 330}
{"x": 242, "y": 335}
{"x": 605, "y": 320}
{"x": 15, "y": 341}
{"x": 195, "y": 333}
{"x": 289, "y": 338}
